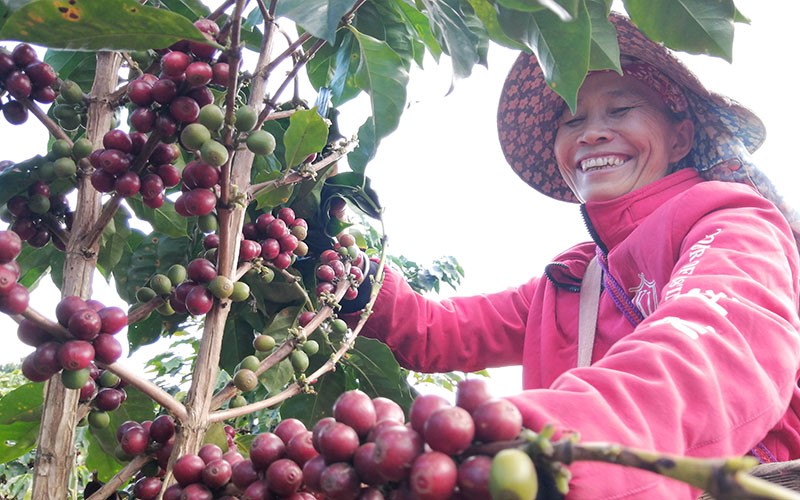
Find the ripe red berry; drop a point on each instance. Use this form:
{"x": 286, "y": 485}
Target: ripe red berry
{"x": 188, "y": 469}
{"x": 140, "y": 92}
{"x": 199, "y": 174}
{"x": 108, "y": 399}
{"x": 355, "y": 408}
{"x": 75, "y": 354}
{"x": 184, "y": 109}
{"x": 18, "y": 85}
{"x": 449, "y": 430}
{"x": 163, "y": 91}
{"x": 15, "y": 112}
{"x": 162, "y": 428}
{"x": 84, "y": 324}
{"x": 114, "y": 161}
{"x": 396, "y": 447}
{"x": 199, "y": 301}
{"x": 147, "y": 488}
{"x": 113, "y": 319}
{"x": 473, "y": 477}
{"x": 175, "y": 63}
{"x": 107, "y": 349}
{"x": 15, "y": 300}
{"x": 338, "y": 442}
{"x": 497, "y": 420}
{"x": 169, "y": 174}
{"x": 199, "y": 201}
{"x": 270, "y": 248}
{"x": 244, "y": 474}
{"x": 217, "y": 473}
{"x": 198, "y": 73}
{"x": 8, "y": 278}
{"x": 339, "y": 480}
{"x": 201, "y": 270}
{"x": 220, "y": 74}
{"x": 300, "y": 448}
{"x": 265, "y": 449}
{"x": 45, "y": 358}
{"x": 41, "y": 74}
{"x": 422, "y": 407}
{"x": 364, "y": 463}
{"x": 289, "y": 428}
{"x": 284, "y": 476}
{"x": 118, "y": 139}
{"x": 134, "y": 441}
{"x": 30, "y": 334}
{"x": 127, "y": 184}
{"x": 23, "y": 55}
{"x": 433, "y": 476}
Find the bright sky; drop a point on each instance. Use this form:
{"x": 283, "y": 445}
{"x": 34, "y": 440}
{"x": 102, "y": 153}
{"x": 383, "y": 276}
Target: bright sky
{"x": 447, "y": 189}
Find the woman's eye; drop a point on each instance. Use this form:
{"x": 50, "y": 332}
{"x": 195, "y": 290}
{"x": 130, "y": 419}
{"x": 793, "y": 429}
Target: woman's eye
{"x": 572, "y": 121}
{"x": 621, "y": 110}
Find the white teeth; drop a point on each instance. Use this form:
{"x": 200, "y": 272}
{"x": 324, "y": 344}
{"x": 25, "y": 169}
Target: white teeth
{"x": 601, "y": 162}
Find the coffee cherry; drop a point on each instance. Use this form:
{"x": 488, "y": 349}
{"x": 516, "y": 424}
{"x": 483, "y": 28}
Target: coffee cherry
{"x": 245, "y": 118}
{"x": 162, "y": 428}
{"x": 300, "y": 448}
{"x": 284, "y": 476}
{"x": 10, "y": 246}
{"x": 15, "y": 112}
{"x": 194, "y": 135}
{"x": 188, "y": 469}
{"x": 473, "y": 477}
{"x": 212, "y": 116}
{"x": 75, "y": 354}
{"x": 396, "y": 447}
{"x": 108, "y": 399}
{"x": 74, "y": 379}
{"x": 289, "y": 428}
{"x": 217, "y": 473}
{"x": 497, "y": 420}
{"x": 201, "y": 270}
{"x": 23, "y": 55}
{"x": 244, "y": 474}
{"x": 299, "y": 361}
{"x": 433, "y": 476}
{"x": 184, "y": 109}
{"x": 245, "y": 380}
{"x": 147, "y": 488}
{"x": 355, "y": 409}
{"x": 214, "y": 153}
{"x": 449, "y": 430}
{"x": 107, "y": 348}
{"x": 84, "y": 324}
{"x": 339, "y": 480}
{"x": 422, "y": 408}
{"x": 127, "y": 184}
{"x": 198, "y": 73}
{"x": 134, "y": 441}
{"x": 265, "y": 449}
{"x": 513, "y": 475}
{"x": 386, "y": 409}
{"x": 261, "y": 142}
{"x": 18, "y": 85}
{"x": 30, "y": 334}
{"x": 198, "y": 202}
{"x": 199, "y": 301}
{"x": 99, "y": 419}
{"x": 338, "y": 442}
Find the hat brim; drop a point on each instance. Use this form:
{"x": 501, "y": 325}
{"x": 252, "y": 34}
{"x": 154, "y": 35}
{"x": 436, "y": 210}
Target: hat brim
{"x": 529, "y": 110}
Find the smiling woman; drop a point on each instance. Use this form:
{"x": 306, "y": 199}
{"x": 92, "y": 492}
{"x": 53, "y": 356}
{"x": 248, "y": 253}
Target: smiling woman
{"x": 693, "y": 270}
{"x": 622, "y": 137}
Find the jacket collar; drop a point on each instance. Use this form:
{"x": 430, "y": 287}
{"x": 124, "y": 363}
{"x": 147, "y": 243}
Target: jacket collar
{"x": 610, "y": 222}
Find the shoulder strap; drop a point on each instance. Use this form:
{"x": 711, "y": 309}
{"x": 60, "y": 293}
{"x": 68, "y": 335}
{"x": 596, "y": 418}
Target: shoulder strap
{"x": 587, "y": 319}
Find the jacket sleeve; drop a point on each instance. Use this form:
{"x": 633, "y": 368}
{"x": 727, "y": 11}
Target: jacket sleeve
{"x": 463, "y": 333}
{"x": 710, "y": 371}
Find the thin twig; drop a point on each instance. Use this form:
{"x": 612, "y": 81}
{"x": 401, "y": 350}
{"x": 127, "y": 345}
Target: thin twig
{"x": 295, "y": 177}
{"x": 150, "y": 389}
{"x": 144, "y": 310}
{"x": 120, "y": 478}
{"x": 51, "y": 126}
{"x": 40, "y": 320}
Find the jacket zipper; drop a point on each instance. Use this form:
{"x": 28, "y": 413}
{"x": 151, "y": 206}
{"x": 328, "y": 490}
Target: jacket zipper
{"x": 587, "y": 221}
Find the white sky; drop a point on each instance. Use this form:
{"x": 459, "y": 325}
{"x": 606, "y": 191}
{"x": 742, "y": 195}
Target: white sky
{"x": 447, "y": 189}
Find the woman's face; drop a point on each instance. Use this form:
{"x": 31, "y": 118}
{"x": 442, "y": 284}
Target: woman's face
{"x": 620, "y": 138}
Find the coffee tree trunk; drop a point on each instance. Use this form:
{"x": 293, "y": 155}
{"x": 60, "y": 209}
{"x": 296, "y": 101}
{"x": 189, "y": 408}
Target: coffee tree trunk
{"x": 55, "y": 453}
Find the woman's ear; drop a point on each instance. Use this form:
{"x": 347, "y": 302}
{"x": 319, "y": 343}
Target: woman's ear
{"x": 684, "y": 140}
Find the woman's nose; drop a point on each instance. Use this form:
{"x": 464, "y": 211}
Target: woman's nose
{"x": 594, "y": 130}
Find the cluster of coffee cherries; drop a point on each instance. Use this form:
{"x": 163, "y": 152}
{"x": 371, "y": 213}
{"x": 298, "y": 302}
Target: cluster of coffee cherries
{"x": 367, "y": 449}
{"x": 105, "y": 392}
{"x": 192, "y": 288}
{"x": 113, "y": 170}
{"x": 277, "y": 239}
{"x": 333, "y": 267}
{"x": 24, "y": 76}
{"x": 86, "y": 334}
{"x": 156, "y": 438}
{"x": 171, "y": 99}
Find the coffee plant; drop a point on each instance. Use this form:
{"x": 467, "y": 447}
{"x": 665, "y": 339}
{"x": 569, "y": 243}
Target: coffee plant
{"x": 195, "y": 160}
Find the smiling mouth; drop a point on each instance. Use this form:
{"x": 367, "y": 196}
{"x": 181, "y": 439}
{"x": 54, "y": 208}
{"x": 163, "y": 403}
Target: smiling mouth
{"x": 600, "y": 163}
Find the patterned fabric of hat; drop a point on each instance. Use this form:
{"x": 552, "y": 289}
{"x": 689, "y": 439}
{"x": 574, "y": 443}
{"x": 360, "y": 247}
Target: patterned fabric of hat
{"x": 725, "y": 131}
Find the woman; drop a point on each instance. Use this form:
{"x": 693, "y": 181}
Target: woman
{"x": 696, "y": 348}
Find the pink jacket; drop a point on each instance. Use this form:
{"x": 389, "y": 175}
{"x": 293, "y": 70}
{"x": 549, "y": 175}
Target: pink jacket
{"x": 711, "y": 370}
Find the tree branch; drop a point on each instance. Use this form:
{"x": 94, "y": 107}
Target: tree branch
{"x": 120, "y": 478}
{"x": 153, "y": 391}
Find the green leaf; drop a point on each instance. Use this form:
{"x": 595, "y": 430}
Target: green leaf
{"x": 20, "y": 413}
{"x": 319, "y": 17}
{"x": 605, "y": 49}
{"x": 454, "y": 35}
{"x": 145, "y": 332}
{"x": 23, "y": 404}
{"x": 487, "y": 13}
{"x": 694, "y": 26}
{"x": 164, "y": 219}
{"x": 237, "y": 342}
{"x": 562, "y": 48}
{"x": 91, "y": 26}
{"x": 418, "y": 22}
{"x": 274, "y": 195}
{"x": 34, "y": 263}
{"x": 382, "y": 75}
{"x": 190, "y": 9}
{"x": 276, "y": 378}
{"x": 16, "y": 439}
{"x": 307, "y": 134}
{"x": 122, "y": 278}
{"x": 354, "y": 187}
{"x": 76, "y": 66}
{"x": 378, "y": 372}
{"x": 310, "y": 408}
{"x": 103, "y": 442}
{"x": 113, "y": 244}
